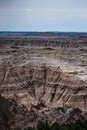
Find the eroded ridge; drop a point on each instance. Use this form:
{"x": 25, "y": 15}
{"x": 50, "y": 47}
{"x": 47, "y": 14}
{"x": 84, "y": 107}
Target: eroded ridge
{"x": 50, "y": 85}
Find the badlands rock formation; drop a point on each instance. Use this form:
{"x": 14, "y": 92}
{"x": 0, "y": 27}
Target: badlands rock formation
{"x": 42, "y": 93}
{"x": 46, "y": 80}
{"x": 42, "y": 84}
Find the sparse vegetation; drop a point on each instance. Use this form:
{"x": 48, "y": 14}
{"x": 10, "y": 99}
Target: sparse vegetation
{"x": 78, "y": 125}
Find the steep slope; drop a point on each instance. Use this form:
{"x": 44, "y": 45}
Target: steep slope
{"x": 40, "y": 93}
{"x": 13, "y": 116}
{"x": 42, "y": 78}
{"x": 50, "y": 85}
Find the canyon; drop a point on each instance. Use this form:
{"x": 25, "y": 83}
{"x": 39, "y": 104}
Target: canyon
{"x": 43, "y": 77}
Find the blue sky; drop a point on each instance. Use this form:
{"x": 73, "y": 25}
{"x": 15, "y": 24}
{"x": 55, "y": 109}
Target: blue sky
{"x": 43, "y": 15}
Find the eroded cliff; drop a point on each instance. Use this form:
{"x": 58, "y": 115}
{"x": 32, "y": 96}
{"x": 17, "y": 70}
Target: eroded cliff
{"x": 50, "y": 85}
{"x": 42, "y": 79}
{"x": 40, "y": 93}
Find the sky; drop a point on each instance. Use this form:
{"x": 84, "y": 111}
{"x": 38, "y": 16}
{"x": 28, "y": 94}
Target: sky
{"x": 43, "y": 15}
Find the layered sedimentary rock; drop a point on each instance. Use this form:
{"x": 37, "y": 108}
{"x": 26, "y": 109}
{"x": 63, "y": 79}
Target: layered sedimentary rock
{"x": 50, "y": 85}
{"x": 40, "y": 93}
{"x": 42, "y": 78}
{"x": 14, "y": 116}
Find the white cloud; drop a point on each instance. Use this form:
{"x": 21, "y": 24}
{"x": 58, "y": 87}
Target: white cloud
{"x": 28, "y": 10}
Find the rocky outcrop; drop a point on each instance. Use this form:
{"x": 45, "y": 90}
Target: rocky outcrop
{"x": 42, "y": 79}
{"x": 46, "y": 39}
{"x": 36, "y": 84}
{"x": 14, "y": 116}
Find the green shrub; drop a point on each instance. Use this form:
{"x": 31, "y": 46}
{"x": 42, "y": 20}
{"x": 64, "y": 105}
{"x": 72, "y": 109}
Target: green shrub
{"x": 78, "y": 125}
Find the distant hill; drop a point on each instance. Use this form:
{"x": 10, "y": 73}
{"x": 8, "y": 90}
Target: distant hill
{"x": 41, "y": 33}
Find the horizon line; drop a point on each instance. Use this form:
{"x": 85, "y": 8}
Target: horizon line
{"x": 43, "y": 31}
